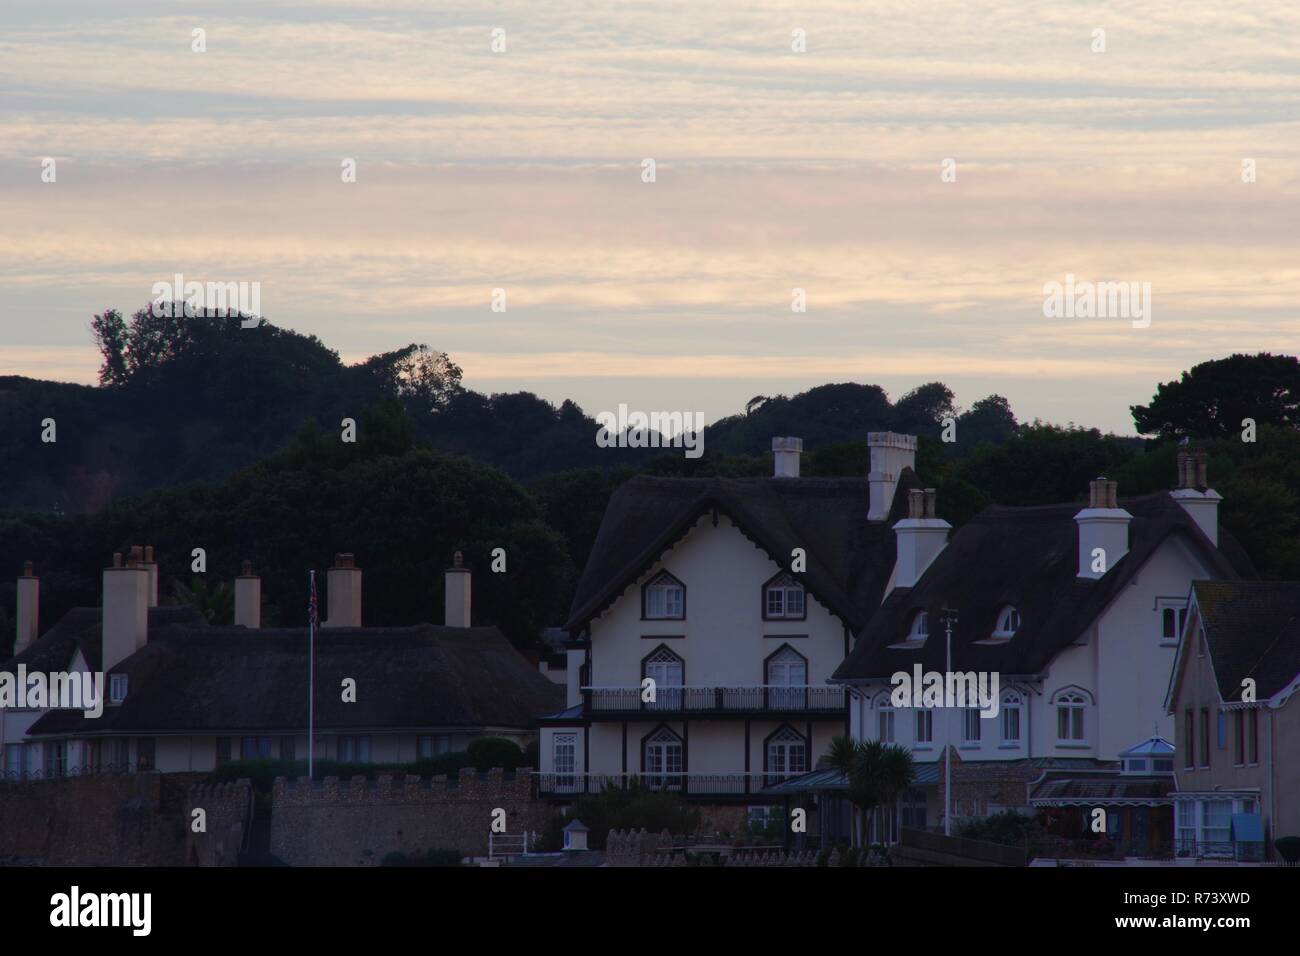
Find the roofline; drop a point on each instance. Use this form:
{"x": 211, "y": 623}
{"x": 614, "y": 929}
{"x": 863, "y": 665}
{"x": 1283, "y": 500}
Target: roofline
{"x": 279, "y": 731}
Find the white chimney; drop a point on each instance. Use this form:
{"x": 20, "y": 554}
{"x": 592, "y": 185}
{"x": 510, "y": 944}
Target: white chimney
{"x": 1103, "y": 530}
{"x": 921, "y": 536}
{"x": 151, "y": 566}
{"x": 248, "y": 598}
{"x": 29, "y": 608}
{"x": 890, "y": 454}
{"x": 126, "y": 608}
{"x": 1195, "y": 496}
{"x": 785, "y": 457}
{"x": 457, "y": 612}
{"x": 343, "y": 581}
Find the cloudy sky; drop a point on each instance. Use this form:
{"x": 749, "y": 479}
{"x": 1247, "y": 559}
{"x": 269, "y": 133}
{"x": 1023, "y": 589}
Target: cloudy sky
{"x": 775, "y": 170}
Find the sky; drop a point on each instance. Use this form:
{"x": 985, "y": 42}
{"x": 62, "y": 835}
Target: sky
{"x": 775, "y": 170}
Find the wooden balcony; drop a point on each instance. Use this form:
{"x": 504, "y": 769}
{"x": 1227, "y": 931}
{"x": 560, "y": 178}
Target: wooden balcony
{"x": 746, "y": 701}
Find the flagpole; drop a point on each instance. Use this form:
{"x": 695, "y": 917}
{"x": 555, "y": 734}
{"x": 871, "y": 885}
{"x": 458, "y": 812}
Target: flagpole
{"x": 311, "y": 676}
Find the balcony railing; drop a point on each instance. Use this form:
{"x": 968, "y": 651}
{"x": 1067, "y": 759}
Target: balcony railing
{"x": 759, "y": 698}
{"x": 694, "y": 784}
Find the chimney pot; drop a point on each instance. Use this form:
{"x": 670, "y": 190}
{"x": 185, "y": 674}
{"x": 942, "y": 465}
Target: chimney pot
{"x": 1102, "y": 525}
{"x": 117, "y": 559}
{"x": 246, "y": 569}
{"x": 916, "y": 503}
{"x": 137, "y": 555}
{"x": 248, "y": 597}
{"x": 457, "y": 582}
{"x": 125, "y": 627}
{"x": 343, "y": 582}
{"x": 148, "y": 553}
{"x": 29, "y": 609}
{"x": 930, "y": 496}
{"x": 785, "y": 457}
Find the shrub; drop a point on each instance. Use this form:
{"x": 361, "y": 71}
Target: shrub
{"x": 423, "y": 858}
{"x": 487, "y": 752}
{"x": 633, "y": 807}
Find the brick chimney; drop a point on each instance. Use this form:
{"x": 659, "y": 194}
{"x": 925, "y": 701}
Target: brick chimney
{"x": 890, "y": 454}
{"x": 785, "y": 457}
{"x": 151, "y": 566}
{"x": 126, "y": 608}
{"x": 1195, "y": 495}
{"x": 1103, "y": 524}
{"x": 343, "y": 582}
{"x": 29, "y": 608}
{"x": 248, "y": 597}
{"x": 921, "y": 536}
{"x": 457, "y": 579}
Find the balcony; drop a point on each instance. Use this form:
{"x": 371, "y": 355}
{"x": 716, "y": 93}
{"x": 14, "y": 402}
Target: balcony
{"x": 687, "y": 784}
{"x": 755, "y": 701}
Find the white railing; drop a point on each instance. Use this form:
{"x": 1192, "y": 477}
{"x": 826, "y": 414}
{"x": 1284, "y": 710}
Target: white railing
{"x": 715, "y": 784}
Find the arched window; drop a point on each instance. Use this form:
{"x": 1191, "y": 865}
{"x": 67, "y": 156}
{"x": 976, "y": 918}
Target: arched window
{"x": 786, "y": 754}
{"x": 668, "y": 671}
{"x": 1010, "y": 710}
{"x": 663, "y": 598}
{"x": 783, "y": 599}
{"x": 1008, "y": 622}
{"x": 1071, "y": 714}
{"x": 662, "y": 759}
{"x": 786, "y": 677}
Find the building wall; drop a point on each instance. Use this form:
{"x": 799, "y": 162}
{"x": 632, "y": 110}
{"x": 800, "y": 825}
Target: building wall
{"x": 1276, "y": 775}
{"x": 1121, "y": 664}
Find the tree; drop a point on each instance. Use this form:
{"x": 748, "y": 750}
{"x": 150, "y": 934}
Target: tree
{"x": 922, "y": 410}
{"x": 1212, "y": 399}
{"x": 109, "y": 329}
{"x": 990, "y": 420}
{"x": 877, "y": 775}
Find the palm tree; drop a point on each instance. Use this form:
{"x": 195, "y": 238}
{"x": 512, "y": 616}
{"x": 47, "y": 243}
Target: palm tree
{"x": 877, "y": 775}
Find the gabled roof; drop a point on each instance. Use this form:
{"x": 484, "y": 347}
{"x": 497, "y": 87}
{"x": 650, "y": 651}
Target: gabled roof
{"x": 1252, "y": 629}
{"x": 191, "y": 679}
{"x": 81, "y": 629}
{"x": 1025, "y": 557}
{"x": 849, "y": 557}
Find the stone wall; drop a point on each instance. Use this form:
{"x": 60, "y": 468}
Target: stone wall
{"x": 358, "y": 823}
{"x": 978, "y": 784}
{"x": 127, "y": 819}
{"x": 227, "y": 816}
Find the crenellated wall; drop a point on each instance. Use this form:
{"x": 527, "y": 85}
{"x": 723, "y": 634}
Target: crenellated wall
{"x": 358, "y": 822}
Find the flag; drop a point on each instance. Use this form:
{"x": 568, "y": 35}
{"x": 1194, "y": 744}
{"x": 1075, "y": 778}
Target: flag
{"x": 313, "y": 617}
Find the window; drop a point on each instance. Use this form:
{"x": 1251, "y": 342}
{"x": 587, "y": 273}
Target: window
{"x": 223, "y": 750}
{"x": 1205, "y": 736}
{"x": 1238, "y": 738}
{"x": 564, "y": 755}
{"x": 664, "y": 597}
{"x": 1254, "y": 736}
{"x": 146, "y": 754}
{"x": 970, "y": 726}
{"x": 925, "y": 726}
{"x": 662, "y": 759}
{"x": 787, "y": 753}
{"x": 354, "y": 749}
{"x": 759, "y": 821}
{"x": 920, "y": 628}
{"x": 429, "y": 745}
{"x": 56, "y": 759}
{"x": 116, "y": 688}
{"x": 1071, "y": 707}
{"x": 1189, "y": 723}
{"x": 1010, "y": 713}
{"x": 668, "y": 672}
{"x": 1216, "y": 821}
{"x": 1173, "y": 617}
{"x": 886, "y": 721}
{"x": 786, "y": 676}
{"x": 255, "y": 748}
{"x": 15, "y": 761}
{"x": 288, "y": 747}
{"x": 1163, "y": 765}
{"x": 1008, "y": 622}
{"x": 783, "y": 598}
{"x": 1222, "y": 724}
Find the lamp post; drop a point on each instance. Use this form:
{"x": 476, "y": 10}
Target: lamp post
{"x": 949, "y": 619}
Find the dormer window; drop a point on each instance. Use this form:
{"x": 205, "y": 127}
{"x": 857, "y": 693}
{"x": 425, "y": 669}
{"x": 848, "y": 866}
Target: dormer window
{"x": 663, "y": 598}
{"x": 1008, "y": 623}
{"x": 917, "y": 631}
{"x": 116, "y": 688}
{"x": 783, "y": 598}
